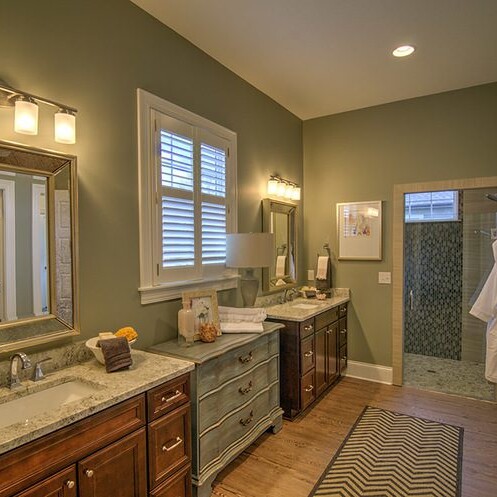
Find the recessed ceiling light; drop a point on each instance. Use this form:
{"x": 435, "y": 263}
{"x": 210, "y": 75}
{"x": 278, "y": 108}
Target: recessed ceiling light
{"x": 403, "y": 51}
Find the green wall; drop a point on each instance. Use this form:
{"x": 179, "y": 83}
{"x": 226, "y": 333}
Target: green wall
{"x": 361, "y": 155}
{"x": 93, "y": 54}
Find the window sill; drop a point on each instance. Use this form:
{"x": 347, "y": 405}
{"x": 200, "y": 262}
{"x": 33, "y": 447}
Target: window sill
{"x": 172, "y": 291}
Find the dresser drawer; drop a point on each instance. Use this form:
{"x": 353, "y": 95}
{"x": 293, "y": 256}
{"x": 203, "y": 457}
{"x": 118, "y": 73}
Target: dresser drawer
{"x": 169, "y": 396}
{"x": 236, "y": 362}
{"x": 217, "y": 443}
{"x": 342, "y": 310}
{"x": 306, "y": 328}
{"x": 169, "y": 444}
{"x": 217, "y": 404}
{"x": 326, "y": 318}
{"x": 308, "y": 389}
{"x": 307, "y": 358}
{"x": 178, "y": 485}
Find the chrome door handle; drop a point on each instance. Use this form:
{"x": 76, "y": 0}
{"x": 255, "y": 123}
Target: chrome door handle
{"x": 167, "y": 448}
{"x": 169, "y": 399}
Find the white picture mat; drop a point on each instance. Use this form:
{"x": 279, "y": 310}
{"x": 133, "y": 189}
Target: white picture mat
{"x": 359, "y": 230}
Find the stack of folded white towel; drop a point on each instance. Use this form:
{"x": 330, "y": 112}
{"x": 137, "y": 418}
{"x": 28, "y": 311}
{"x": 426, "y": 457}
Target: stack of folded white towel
{"x": 241, "y": 320}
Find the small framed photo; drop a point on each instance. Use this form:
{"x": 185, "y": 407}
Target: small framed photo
{"x": 205, "y": 309}
{"x": 359, "y": 230}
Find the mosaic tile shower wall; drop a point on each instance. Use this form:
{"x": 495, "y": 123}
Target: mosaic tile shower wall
{"x": 433, "y": 272}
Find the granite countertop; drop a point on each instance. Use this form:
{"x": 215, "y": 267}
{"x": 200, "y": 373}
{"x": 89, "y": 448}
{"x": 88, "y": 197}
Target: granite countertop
{"x": 301, "y": 309}
{"x": 148, "y": 371}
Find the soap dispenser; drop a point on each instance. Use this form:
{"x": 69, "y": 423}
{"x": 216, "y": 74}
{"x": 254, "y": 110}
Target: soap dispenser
{"x": 186, "y": 325}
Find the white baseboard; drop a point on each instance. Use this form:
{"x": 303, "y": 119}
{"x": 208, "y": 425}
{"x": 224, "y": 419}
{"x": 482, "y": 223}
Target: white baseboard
{"x": 370, "y": 372}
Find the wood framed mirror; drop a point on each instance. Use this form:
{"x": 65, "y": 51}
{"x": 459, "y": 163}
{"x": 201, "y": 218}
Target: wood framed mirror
{"x": 280, "y": 218}
{"x": 38, "y": 247}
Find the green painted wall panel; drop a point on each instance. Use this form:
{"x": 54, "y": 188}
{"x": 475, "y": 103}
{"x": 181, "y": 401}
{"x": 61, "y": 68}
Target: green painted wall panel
{"x": 360, "y": 155}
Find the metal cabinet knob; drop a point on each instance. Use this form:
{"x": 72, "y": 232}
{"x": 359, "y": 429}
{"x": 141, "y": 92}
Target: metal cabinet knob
{"x": 89, "y": 473}
{"x": 310, "y": 388}
{"x": 69, "y": 484}
{"x": 343, "y": 332}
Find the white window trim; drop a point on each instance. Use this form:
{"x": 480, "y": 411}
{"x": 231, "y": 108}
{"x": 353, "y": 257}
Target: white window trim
{"x": 150, "y": 292}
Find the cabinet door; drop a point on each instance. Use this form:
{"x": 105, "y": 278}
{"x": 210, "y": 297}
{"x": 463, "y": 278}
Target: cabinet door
{"x": 332, "y": 352}
{"x": 62, "y": 484}
{"x": 118, "y": 470}
{"x": 321, "y": 380}
{"x": 307, "y": 354}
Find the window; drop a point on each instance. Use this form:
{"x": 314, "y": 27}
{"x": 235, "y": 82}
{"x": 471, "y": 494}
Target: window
{"x": 431, "y": 206}
{"x": 187, "y": 191}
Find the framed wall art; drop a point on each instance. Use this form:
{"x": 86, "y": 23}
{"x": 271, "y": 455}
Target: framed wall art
{"x": 359, "y": 230}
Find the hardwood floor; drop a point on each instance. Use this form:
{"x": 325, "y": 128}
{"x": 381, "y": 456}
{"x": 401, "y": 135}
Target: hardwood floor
{"x": 289, "y": 463}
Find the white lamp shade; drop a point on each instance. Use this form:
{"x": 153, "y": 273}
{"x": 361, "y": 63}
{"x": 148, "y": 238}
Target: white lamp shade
{"x": 289, "y": 191}
{"x": 26, "y": 117}
{"x": 249, "y": 250}
{"x": 296, "y": 193}
{"x": 65, "y": 127}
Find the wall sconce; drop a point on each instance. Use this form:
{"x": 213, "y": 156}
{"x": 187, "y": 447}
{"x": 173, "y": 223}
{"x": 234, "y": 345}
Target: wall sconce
{"x": 26, "y": 114}
{"x": 283, "y": 188}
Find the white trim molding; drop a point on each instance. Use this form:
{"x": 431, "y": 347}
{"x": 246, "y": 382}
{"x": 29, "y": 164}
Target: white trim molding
{"x": 369, "y": 372}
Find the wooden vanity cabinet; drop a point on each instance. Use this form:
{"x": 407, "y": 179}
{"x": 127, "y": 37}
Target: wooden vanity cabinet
{"x": 313, "y": 356}
{"x": 105, "y": 455}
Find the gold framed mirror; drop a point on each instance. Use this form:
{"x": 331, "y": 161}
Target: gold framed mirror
{"x": 280, "y": 218}
{"x": 38, "y": 247}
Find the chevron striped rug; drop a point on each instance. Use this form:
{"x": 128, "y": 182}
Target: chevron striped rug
{"x": 387, "y": 454}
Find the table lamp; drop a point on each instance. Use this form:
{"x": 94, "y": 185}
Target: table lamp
{"x": 249, "y": 251}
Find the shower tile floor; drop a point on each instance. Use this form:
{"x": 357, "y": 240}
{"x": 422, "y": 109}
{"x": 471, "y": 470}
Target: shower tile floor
{"x": 464, "y": 378}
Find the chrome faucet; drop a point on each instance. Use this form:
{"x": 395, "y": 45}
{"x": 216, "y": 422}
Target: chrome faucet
{"x": 14, "y": 381}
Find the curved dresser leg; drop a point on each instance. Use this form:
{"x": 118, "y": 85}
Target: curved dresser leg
{"x": 277, "y": 424}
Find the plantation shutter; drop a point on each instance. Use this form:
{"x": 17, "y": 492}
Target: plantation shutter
{"x": 192, "y": 209}
{"x": 213, "y": 157}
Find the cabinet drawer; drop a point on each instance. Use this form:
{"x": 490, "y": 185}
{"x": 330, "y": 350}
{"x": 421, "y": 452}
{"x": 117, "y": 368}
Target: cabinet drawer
{"x": 236, "y": 362}
{"x": 219, "y": 443}
{"x": 343, "y": 358}
{"x": 169, "y": 396}
{"x": 326, "y": 318}
{"x": 307, "y": 358}
{"x": 178, "y": 485}
{"x": 342, "y": 310}
{"x": 62, "y": 484}
{"x": 342, "y": 331}
{"x": 169, "y": 444}
{"x": 217, "y": 404}
{"x": 306, "y": 328}
{"x": 308, "y": 389}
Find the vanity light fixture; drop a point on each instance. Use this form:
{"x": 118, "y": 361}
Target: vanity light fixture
{"x": 26, "y": 114}
{"x": 403, "y": 51}
{"x": 280, "y": 187}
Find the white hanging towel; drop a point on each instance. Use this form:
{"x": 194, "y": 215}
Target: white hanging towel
{"x": 322, "y": 271}
{"x": 485, "y": 308}
{"x": 280, "y": 266}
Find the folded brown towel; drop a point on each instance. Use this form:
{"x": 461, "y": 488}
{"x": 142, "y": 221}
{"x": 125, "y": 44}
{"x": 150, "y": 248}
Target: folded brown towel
{"x": 116, "y": 353}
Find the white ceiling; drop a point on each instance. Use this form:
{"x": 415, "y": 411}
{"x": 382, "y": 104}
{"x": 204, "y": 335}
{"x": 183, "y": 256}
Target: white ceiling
{"x": 320, "y": 57}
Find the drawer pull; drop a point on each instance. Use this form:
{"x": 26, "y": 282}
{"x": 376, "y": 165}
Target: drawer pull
{"x": 89, "y": 473}
{"x": 167, "y": 448}
{"x": 310, "y": 353}
{"x": 308, "y": 327}
{"x": 247, "y": 358}
{"x": 247, "y": 421}
{"x": 310, "y": 388}
{"x": 177, "y": 394}
{"x": 343, "y": 332}
{"x": 329, "y": 332}
{"x": 247, "y": 389}
{"x": 69, "y": 484}
{"x": 344, "y": 358}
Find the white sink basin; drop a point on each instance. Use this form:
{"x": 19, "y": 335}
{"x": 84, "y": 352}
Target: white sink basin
{"x": 305, "y": 306}
{"x": 22, "y": 409}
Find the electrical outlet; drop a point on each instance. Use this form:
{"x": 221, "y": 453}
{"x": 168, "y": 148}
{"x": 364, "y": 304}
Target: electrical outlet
{"x": 384, "y": 278}
{"x": 310, "y": 275}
